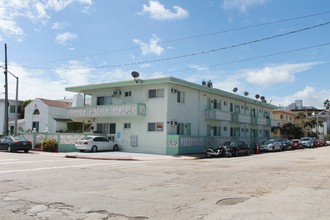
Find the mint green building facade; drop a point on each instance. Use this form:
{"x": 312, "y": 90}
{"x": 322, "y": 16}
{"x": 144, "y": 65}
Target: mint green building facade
{"x": 170, "y": 116}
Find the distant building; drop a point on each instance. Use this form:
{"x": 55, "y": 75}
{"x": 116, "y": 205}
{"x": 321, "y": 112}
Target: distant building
{"x": 44, "y": 115}
{"x": 11, "y": 115}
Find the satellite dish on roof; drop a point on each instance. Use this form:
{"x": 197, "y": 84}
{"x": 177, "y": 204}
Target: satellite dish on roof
{"x": 257, "y": 96}
{"x": 262, "y": 98}
{"x": 235, "y": 89}
{"x": 246, "y": 93}
{"x": 135, "y": 74}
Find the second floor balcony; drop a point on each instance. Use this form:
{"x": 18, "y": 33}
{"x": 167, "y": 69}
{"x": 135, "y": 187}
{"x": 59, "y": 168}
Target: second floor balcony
{"x": 138, "y": 109}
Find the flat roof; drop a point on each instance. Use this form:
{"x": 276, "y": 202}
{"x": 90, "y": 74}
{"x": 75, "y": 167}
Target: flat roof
{"x": 87, "y": 89}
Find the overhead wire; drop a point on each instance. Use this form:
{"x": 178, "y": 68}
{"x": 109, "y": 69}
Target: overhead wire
{"x": 190, "y": 54}
{"x": 194, "y": 36}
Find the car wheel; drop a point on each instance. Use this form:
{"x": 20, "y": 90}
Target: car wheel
{"x": 94, "y": 149}
{"x": 26, "y": 151}
{"x": 115, "y": 147}
{"x": 9, "y": 149}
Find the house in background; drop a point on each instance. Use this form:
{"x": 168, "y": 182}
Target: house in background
{"x": 11, "y": 115}
{"x": 44, "y": 115}
{"x": 171, "y": 116}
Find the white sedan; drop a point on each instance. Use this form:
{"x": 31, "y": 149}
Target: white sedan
{"x": 96, "y": 143}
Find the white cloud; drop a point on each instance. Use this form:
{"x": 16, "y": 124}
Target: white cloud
{"x": 242, "y": 5}
{"x": 159, "y": 12}
{"x": 310, "y": 96}
{"x": 198, "y": 67}
{"x": 150, "y": 48}
{"x": 60, "y": 25}
{"x": 34, "y": 10}
{"x": 277, "y": 74}
{"x": 63, "y": 38}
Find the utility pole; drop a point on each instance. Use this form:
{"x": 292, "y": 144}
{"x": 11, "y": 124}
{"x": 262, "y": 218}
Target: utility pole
{"x": 5, "y": 127}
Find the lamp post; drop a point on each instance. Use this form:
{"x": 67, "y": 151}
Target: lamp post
{"x": 16, "y": 103}
{"x": 317, "y": 120}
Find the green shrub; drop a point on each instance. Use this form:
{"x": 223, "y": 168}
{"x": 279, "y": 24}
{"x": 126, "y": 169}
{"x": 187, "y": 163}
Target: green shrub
{"x": 50, "y": 145}
{"x": 327, "y": 137}
{"x": 74, "y": 126}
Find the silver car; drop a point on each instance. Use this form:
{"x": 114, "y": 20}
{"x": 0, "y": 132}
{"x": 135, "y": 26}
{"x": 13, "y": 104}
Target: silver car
{"x": 96, "y": 143}
{"x": 271, "y": 145}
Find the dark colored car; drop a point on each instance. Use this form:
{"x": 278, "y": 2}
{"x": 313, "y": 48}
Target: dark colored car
{"x": 15, "y": 143}
{"x": 286, "y": 144}
{"x": 236, "y": 148}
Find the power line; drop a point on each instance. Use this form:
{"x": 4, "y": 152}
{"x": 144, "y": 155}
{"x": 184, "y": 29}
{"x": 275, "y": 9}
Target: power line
{"x": 255, "y": 58}
{"x": 191, "y": 54}
{"x": 197, "y": 36}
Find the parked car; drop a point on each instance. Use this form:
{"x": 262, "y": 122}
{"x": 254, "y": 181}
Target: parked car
{"x": 321, "y": 142}
{"x": 286, "y": 144}
{"x": 296, "y": 144}
{"x": 236, "y": 148}
{"x": 271, "y": 145}
{"x": 96, "y": 143}
{"x": 15, "y": 143}
{"x": 309, "y": 142}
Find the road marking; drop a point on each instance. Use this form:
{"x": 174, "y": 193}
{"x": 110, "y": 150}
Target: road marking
{"x": 56, "y": 167}
{"x": 30, "y": 161}
{"x": 8, "y": 160}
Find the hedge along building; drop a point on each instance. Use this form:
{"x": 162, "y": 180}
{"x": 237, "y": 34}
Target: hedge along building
{"x": 170, "y": 115}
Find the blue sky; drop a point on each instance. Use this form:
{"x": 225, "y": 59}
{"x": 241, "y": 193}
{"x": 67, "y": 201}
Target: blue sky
{"x": 278, "y": 49}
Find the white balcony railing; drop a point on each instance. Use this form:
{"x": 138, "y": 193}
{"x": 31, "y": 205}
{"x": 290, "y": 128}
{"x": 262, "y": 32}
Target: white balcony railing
{"x": 215, "y": 114}
{"x": 108, "y": 110}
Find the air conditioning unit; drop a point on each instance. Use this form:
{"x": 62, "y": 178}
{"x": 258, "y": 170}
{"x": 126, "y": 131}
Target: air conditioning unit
{"x": 173, "y": 123}
{"x": 174, "y": 90}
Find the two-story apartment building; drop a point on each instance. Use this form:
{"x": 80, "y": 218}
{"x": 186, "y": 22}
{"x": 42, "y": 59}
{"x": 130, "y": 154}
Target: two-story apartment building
{"x": 170, "y": 115}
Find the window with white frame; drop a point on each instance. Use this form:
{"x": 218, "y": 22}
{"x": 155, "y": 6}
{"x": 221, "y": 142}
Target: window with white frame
{"x": 104, "y": 100}
{"x": 128, "y": 94}
{"x": 216, "y": 130}
{"x": 156, "y": 93}
{"x": 127, "y": 125}
{"x": 216, "y": 104}
{"x": 180, "y": 96}
{"x": 155, "y": 126}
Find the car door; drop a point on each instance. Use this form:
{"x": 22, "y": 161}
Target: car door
{"x": 3, "y": 144}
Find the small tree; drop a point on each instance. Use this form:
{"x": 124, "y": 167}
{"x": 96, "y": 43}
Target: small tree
{"x": 75, "y": 126}
{"x": 50, "y": 145}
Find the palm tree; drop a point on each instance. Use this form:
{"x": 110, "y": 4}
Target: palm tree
{"x": 326, "y": 104}
{"x": 276, "y": 129}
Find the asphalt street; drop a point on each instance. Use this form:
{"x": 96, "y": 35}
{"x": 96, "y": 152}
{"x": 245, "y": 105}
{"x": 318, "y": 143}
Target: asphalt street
{"x": 282, "y": 185}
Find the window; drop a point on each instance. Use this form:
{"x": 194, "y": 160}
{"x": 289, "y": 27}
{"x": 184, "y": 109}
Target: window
{"x": 127, "y": 125}
{"x": 216, "y": 130}
{"x": 155, "y": 126}
{"x": 36, "y": 112}
{"x": 128, "y": 94}
{"x": 180, "y": 129}
{"x": 156, "y": 93}
{"x": 281, "y": 116}
{"x": 104, "y": 100}
{"x": 216, "y": 104}
{"x": 35, "y": 126}
{"x": 180, "y": 97}
{"x": 12, "y": 108}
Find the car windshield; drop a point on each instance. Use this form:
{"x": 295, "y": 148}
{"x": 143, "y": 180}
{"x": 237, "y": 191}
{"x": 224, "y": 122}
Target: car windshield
{"x": 268, "y": 142}
{"x": 87, "y": 138}
{"x": 304, "y": 139}
{"x": 230, "y": 144}
{"x": 19, "y": 138}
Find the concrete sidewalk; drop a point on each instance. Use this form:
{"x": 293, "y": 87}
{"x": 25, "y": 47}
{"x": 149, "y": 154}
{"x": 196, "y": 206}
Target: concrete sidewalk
{"x": 129, "y": 156}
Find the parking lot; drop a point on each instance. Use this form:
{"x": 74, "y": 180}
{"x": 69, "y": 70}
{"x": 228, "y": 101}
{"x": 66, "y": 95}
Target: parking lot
{"x": 282, "y": 185}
